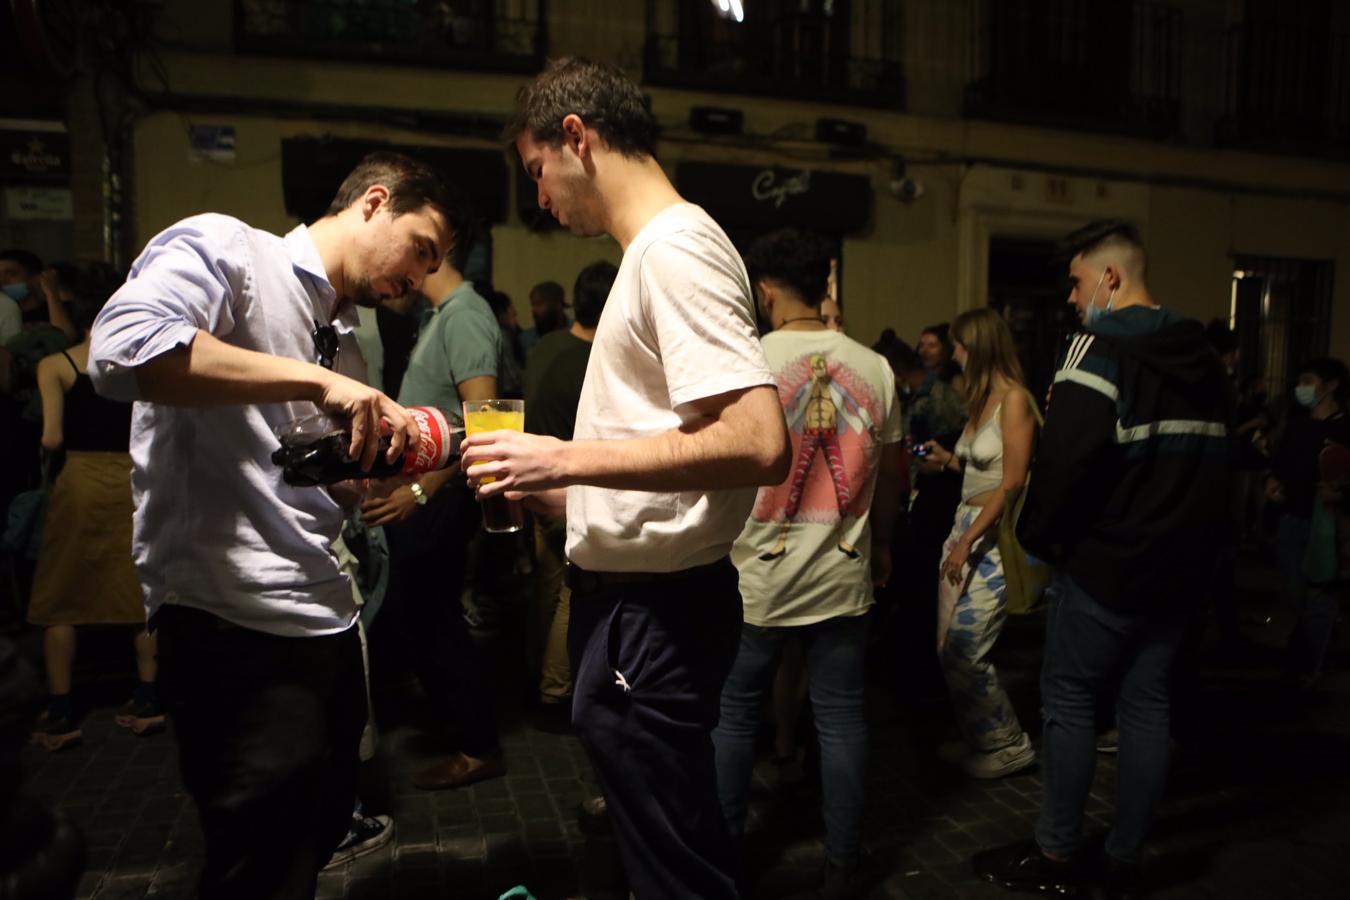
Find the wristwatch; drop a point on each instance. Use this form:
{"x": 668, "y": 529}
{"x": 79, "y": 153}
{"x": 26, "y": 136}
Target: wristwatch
{"x": 418, "y": 494}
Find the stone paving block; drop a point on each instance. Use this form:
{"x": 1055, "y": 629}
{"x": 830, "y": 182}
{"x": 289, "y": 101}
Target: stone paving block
{"x": 128, "y": 887}
{"x": 464, "y": 847}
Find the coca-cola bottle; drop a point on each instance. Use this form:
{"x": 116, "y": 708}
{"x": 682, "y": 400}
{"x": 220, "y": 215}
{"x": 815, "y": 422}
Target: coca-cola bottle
{"x": 313, "y": 450}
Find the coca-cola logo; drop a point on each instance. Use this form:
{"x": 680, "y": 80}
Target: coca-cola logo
{"x": 426, "y": 454}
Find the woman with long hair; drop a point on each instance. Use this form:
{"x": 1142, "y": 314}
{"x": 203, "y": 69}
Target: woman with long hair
{"x": 993, "y": 455}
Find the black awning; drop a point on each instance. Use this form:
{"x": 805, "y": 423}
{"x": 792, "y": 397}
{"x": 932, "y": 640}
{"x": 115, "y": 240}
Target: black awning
{"x": 773, "y": 197}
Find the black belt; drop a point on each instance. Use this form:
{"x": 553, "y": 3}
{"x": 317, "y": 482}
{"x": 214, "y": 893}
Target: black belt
{"x": 582, "y": 581}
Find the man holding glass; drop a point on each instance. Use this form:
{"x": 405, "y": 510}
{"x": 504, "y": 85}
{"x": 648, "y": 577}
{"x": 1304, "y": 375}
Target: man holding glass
{"x": 430, "y": 521}
{"x": 679, "y": 421}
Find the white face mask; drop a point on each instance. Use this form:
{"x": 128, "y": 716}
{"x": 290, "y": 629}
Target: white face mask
{"x": 1093, "y": 312}
{"x": 1306, "y": 395}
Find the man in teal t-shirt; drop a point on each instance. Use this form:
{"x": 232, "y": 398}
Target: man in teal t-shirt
{"x": 429, "y": 523}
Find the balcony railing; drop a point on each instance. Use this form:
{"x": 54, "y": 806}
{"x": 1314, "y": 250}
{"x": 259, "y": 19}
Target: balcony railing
{"x": 1288, "y": 89}
{"x": 1096, "y": 65}
{"x": 838, "y": 52}
{"x": 482, "y": 35}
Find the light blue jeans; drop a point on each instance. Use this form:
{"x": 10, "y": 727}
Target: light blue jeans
{"x": 834, "y": 664}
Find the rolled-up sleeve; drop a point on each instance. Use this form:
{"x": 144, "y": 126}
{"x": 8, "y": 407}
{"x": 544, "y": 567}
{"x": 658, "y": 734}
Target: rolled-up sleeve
{"x": 187, "y": 279}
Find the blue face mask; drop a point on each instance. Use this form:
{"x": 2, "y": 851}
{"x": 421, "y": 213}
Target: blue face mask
{"x": 1093, "y": 313}
{"x": 18, "y": 291}
{"x": 1306, "y": 395}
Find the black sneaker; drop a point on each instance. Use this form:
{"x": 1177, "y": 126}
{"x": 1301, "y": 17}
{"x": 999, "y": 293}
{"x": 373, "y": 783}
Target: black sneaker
{"x": 366, "y": 835}
{"x": 1023, "y": 867}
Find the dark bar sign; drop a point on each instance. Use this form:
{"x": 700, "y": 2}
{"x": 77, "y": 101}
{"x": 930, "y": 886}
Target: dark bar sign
{"x": 770, "y": 196}
{"x": 40, "y": 153}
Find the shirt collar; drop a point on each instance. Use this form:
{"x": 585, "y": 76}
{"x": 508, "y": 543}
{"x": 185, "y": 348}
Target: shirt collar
{"x": 305, "y": 258}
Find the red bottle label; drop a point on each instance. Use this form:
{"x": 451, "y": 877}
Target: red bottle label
{"x": 433, "y": 443}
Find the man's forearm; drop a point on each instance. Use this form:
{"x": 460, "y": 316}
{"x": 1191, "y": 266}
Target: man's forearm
{"x": 708, "y": 455}
{"x": 210, "y": 372}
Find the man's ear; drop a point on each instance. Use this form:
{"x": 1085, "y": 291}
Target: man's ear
{"x": 376, "y": 197}
{"x": 575, "y": 135}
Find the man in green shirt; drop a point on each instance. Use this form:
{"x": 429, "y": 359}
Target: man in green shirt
{"x": 553, "y": 377}
{"x": 429, "y": 523}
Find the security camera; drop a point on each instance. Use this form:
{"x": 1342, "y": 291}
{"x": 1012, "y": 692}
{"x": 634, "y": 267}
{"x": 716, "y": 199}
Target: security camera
{"x": 906, "y": 190}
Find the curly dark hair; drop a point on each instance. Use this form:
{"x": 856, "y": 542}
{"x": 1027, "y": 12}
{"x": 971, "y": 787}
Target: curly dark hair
{"x": 798, "y": 260}
{"x": 601, "y": 94}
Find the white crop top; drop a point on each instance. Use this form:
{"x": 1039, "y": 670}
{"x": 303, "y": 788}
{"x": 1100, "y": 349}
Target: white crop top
{"x": 983, "y": 457}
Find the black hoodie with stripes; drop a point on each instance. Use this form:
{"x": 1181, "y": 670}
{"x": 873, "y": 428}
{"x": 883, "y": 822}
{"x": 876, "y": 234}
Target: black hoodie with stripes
{"x": 1129, "y": 487}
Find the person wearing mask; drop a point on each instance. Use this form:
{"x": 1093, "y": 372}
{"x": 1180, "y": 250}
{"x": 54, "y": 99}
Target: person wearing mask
{"x": 992, "y": 455}
{"x": 1128, "y": 500}
{"x": 1317, "y": 421}
{"x": 21, "y": 299}
{"x": 224, "y": 335}
{"x": 678, "y": 423}
{"x": 84, "y": 573}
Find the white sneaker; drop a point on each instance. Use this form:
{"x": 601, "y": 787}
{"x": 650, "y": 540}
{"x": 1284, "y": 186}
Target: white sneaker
{"x": 952, "y": 752}
{"x": 1004, "y": 761}
{"x": 367, "y": 834}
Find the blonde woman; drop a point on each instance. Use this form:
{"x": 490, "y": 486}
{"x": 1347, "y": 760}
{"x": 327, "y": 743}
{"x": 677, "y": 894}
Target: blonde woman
{"x": 993, "y": 453}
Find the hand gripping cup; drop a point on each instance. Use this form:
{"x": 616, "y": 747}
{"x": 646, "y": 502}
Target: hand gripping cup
{"x": 313, "y": 449}
{"x": 499, "y": 514}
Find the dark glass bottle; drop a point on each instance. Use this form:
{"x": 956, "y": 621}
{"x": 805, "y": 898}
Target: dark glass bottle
{"x": 308, "y": 460}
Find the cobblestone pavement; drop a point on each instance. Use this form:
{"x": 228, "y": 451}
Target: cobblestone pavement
{"x": 1257, "y": 806}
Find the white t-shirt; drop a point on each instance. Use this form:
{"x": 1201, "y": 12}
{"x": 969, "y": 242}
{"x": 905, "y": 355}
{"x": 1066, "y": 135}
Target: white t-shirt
{"x": 679, "y": 326}
{"x": 841, "y": 409}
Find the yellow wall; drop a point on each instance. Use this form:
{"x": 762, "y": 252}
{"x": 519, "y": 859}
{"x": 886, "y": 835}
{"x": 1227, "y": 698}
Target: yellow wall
{"x": 915, "y": 264}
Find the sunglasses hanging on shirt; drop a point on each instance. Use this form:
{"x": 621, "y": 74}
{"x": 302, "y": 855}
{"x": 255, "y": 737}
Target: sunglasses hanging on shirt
{"x": 325, "y": 344}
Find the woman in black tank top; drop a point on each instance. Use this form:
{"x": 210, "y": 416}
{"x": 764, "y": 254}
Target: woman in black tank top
{"x": 85, "y": 574}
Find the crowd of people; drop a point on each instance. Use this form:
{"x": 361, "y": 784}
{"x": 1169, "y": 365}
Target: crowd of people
{"x": 723, "y": 486}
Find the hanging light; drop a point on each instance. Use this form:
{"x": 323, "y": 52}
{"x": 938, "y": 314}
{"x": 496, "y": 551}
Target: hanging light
{"x": 731, "y": 9}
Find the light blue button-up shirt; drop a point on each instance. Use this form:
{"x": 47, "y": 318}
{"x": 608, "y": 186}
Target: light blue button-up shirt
{"x": 215, "y": 526}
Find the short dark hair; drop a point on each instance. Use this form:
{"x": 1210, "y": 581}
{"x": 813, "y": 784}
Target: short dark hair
{"x": 1329, "y": 368}
{"x": 412, "y": 185}
{"x": 601, "y": 94}
{"x": 591, "y": 290}
{"x": 900, "y": 355}
{"x": 942, "y": 331}
{"x": 551, "y": 291}
{"x": 798, "y": 260}
{"x": 29, "y": 262}
{"x": 1104, "y": 233}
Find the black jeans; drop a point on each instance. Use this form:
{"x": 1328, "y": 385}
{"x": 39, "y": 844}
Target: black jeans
{"x": 650, "y": 661}
{"x": 268, "y": 729}
{"x": 422, "y": 616}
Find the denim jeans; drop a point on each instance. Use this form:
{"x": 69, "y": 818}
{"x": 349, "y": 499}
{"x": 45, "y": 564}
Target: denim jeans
{"x": 1090, "y": 649}
{"x": 834, "y": 664}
